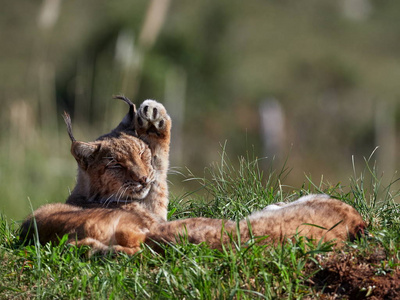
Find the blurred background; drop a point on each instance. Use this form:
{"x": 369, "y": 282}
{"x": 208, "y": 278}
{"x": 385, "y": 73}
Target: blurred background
{"x": 313, "y": 82}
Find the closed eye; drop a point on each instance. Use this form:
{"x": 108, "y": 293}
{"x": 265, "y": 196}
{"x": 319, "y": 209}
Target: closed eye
{"x": 114, "y": 166}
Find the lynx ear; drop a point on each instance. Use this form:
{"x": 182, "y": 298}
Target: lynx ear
{"x": 83, "y": 152}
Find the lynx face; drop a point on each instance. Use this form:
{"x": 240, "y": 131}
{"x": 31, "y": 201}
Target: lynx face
{"x": 115, "y": 169}
{"x": 127, "y": 166}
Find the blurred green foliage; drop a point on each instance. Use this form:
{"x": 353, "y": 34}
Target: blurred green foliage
{"x": 332, "y": 71}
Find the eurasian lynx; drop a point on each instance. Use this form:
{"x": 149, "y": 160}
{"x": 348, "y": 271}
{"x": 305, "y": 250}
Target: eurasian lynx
{"x": 128, "y": 165}
{"x": 105, "y": 230}
{"x": 121, "y": 197}
{"x": 124, "y": 170}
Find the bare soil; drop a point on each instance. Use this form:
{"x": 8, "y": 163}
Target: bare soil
{"x": 355, "y": 275}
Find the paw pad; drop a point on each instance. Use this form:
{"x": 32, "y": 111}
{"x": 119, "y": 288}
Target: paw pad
{"x": 152, "y": 114}
{"x": 155, "y": 111}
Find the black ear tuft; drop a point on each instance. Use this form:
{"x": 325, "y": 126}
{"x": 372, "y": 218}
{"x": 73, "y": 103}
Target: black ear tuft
{"x": 127, "y": 124}
{"x": 67, "y": 120}
{"x": 132, "y": 106}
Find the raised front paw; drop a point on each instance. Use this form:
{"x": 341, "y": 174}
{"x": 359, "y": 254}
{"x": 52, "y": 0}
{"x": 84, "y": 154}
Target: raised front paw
{"x": 152, "y": 118}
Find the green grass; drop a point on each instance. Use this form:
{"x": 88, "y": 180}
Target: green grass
{"x": 187, "y": 271}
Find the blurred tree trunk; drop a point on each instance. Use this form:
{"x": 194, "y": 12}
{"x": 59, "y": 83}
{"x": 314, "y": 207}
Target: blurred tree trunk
{"x": 153, "y": 22}
{"x": 175, "y": 95}
{"x": 272, "y": 127}
{"x": 47, "y": 18}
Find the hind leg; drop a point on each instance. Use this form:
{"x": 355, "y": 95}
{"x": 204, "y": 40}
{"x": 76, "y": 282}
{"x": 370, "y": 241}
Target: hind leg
{"x": 153, "y": 125}
{"x": 129, "y": 247}
{"x": 128, "y": 241}
{"x": 128, "y": 238}
{"x": 128, "y": 250}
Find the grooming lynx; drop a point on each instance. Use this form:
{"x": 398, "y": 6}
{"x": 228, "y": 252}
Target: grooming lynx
{"x": 128, "y": 165}
{"x": 121, "y": 197}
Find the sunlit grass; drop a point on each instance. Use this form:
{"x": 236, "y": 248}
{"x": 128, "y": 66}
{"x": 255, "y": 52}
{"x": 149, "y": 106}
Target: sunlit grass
{"x": 187, "y": 271}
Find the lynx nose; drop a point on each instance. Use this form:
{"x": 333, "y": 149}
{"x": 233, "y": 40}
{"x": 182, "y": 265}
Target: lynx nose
{"x": 142, "y": 180}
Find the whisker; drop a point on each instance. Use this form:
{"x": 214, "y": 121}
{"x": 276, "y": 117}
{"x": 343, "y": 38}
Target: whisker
{"x": 119, "y": 193}
{"x": 123, "y": 193}
{"x": 108, "y": 200}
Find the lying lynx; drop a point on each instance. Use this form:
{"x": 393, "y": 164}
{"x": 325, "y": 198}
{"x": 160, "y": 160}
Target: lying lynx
{"x": 104, "y": 230}
{"x": 128, "y": 165}
{"x": 124, "y": 170}
{"x": 120, "y": 199}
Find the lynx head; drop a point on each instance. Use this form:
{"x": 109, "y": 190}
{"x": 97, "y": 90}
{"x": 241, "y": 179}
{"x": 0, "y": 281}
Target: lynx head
{"x": 114, "y": 170}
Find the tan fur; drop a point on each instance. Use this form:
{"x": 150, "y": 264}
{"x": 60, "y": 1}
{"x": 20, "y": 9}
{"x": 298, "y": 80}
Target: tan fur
{"x": 304, "y": 217}
{"x": 126, "y": 166}
{"x": 102, "y": 229}
{"x": 317, "y": 217}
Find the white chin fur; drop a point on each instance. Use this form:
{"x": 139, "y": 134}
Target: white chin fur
{"x": 130, "y": 198}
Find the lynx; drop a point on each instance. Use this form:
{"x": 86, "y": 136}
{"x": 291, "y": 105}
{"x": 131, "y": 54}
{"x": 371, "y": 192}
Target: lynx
{"x": 120, "y": 200}
{"x": 126, "y": 166}
{"x": 125, "y": 170}
{"x": 117, "y": 230}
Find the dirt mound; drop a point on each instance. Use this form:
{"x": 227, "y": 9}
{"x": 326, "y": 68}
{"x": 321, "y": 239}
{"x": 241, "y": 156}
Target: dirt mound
{"x": 355, "y": 275}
